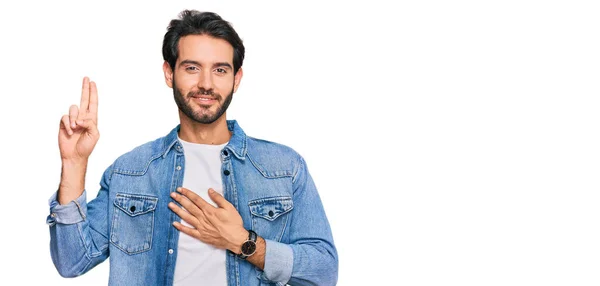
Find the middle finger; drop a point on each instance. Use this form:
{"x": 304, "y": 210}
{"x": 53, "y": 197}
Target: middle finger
{"x": 188, "y": 205}
{"x": 183, "y": 214}
{"x": 85, "y": 98}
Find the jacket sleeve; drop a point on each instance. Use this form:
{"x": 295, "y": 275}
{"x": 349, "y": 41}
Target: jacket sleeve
{"x": 310, "y": 258}
{"x": 79, "y": 231}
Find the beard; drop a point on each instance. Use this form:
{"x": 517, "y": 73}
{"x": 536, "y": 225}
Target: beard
{"x": 203, "y": 114}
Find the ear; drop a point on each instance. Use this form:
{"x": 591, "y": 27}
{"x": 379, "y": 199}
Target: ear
{"x": 238, "y": 79}
{"x": 168, "y": 74}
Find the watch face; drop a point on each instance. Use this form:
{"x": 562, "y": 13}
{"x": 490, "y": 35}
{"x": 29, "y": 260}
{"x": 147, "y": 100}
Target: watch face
{"x": 248, "y": 247}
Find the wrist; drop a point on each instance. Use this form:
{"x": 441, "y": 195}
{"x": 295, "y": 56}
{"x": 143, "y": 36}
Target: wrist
{"x": 249, "y": 246}
{"x": 238, "y": 240}
{"x": 72, "y": 181}
{"x": 74, "y": 162}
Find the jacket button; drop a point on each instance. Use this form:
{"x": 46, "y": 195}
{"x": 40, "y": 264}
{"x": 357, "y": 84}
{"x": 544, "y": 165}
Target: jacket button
{"x": 170, "y": 251}
{"x": 225, "y": 152}
{"x": 270, "y": 213}
{"x": 178, "y": 168}
{"x": 132, "y": 208}
{"x": 226, "y": 172}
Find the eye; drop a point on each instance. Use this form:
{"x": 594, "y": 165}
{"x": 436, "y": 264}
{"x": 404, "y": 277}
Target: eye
{"x": 221, "y": 70}
{"x": 192, "y": 68}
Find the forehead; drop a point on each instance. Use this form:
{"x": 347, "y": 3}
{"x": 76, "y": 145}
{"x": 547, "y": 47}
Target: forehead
{"x": 204, "y": 49}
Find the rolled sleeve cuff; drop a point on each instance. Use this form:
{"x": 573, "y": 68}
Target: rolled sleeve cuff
{"x": 279, "y": 262}
{"x": 71, "y": 213}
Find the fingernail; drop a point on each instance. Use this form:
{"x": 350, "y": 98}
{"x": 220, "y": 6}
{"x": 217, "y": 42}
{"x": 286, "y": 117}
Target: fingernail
{"x": 210, "y": 191}
{"x": 173, "y": 195}
{"x": 179, "y": 189}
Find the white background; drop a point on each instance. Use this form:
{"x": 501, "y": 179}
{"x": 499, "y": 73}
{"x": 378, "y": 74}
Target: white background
{"x": 452, "y": 142}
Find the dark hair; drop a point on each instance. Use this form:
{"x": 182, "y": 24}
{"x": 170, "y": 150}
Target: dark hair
{"x": 192, "y": 22}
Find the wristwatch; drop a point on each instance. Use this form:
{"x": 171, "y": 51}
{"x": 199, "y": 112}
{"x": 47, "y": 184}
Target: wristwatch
{"x": 249, "y": 246}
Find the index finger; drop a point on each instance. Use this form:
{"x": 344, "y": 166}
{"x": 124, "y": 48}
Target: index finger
{"x": 195, "y": 198}
{"x": 85, "y": 99}
{"x": 93, "y": 107}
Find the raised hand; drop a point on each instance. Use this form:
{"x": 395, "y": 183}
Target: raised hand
{"x": 78, "y": 133}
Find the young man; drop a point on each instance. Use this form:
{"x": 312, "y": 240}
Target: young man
{"x": 204, "y": 205}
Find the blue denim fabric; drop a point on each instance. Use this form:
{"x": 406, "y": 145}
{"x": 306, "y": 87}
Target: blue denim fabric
{"x": 129, "y": 221}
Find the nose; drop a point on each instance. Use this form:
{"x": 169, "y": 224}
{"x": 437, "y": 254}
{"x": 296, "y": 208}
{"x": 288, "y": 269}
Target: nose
{"x": 206, "y": 80}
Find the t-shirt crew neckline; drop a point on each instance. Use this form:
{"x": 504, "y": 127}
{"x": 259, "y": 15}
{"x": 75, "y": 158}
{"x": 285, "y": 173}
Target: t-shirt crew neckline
{"x": 200, "y": 145}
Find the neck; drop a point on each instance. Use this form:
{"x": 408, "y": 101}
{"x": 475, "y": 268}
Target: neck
{"x": 215, "y": 133}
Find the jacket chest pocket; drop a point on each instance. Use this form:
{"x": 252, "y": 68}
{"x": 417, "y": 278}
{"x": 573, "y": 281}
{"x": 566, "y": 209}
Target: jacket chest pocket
{"x": 133, "y": 223}
{"x": 270, "y": 216}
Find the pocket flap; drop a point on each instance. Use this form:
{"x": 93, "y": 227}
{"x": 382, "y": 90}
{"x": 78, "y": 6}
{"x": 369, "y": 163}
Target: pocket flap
{"x": 134, "y": 205}
{"x": 271, "y": 208}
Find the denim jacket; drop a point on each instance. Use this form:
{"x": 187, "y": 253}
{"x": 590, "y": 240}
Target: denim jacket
{"x": 129, "y": 221}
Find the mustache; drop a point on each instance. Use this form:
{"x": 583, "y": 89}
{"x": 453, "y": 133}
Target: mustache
{"x": 203, "y": 91}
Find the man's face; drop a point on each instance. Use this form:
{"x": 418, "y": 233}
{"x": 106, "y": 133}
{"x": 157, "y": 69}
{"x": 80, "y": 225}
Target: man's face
{"x": 203, "y": 81}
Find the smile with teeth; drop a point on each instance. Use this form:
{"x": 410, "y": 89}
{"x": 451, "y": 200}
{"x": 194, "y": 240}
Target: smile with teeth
{"x": 203, "y": 98}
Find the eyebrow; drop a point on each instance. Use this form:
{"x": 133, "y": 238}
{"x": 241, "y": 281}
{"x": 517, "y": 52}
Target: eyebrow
{"x": 218, "y": 64}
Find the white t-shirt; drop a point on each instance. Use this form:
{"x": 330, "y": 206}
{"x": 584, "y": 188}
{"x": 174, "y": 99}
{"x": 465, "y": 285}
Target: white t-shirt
{"x": 197, "y": 262}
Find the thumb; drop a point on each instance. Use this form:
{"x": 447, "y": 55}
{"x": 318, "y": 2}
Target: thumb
{"x": 88, "y": 125}
{"x": 218, "y": 199}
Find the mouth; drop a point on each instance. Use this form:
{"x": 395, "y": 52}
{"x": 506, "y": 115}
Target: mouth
{"x": 204, "y": 99}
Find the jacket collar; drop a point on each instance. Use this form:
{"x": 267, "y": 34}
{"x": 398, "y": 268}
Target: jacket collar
{"x": 237, "y": 143}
